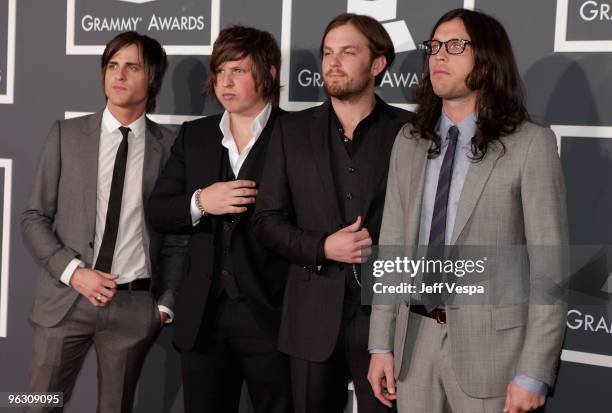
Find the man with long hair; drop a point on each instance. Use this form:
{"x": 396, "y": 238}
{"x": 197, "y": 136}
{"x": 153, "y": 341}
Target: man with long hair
{"x": 320, "y": 204}
{"x": 228, "y": 310}
{"x": 107, "y": 279}
{"x": 471, "y": 170}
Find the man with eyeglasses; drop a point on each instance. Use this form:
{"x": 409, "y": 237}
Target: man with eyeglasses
{"x": 472, "y": 170}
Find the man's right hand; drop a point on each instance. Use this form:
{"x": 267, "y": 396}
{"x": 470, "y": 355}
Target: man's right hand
{"x": 380, "y": 376}
{"x": 228, "y": 197}
{"x": 349, "y": 245}
{"x": 97, "y": 286}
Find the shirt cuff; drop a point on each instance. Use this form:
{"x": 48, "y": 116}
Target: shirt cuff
{"x": 531, "y": 385}
{"x": 168, "y": 311}
{"x": 196, "y": 214}
{"x": 379, "y": 351}
{"x": 70, "y": 268}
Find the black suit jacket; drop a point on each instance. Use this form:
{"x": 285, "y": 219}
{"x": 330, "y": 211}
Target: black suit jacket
{"x": 297, "y": 207}
{"x": 195, "y": 162}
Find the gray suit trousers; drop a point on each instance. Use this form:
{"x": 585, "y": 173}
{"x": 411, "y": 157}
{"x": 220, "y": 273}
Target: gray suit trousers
{"x": 429, "y": 384}
{"x": 121, "y": 333}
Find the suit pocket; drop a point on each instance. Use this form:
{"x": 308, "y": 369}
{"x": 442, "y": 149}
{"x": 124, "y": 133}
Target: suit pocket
{"x": 509, "y": 317}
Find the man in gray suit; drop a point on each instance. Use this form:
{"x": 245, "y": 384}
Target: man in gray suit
{"x": 471, "y": 170}
{"x": 107, "y": 279}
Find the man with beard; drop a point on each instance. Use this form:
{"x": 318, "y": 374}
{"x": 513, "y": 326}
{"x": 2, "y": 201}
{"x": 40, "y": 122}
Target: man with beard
{"x": 337, "y": 151}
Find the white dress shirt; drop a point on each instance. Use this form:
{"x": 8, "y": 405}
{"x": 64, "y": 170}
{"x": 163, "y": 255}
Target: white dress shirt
{"x": 129, "y": 259}
{"x": 236, "y": 157}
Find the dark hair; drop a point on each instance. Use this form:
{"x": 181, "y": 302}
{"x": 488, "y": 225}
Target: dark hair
{"x": 238, "y": 42}
{"x": 379, "y": 42}
{"x": 495, "y": 78}
{"x": 153, "y": 56}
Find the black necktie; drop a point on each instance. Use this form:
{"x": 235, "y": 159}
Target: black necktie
{"x": 107, "y": 249}
{"x": 437, "y": 232}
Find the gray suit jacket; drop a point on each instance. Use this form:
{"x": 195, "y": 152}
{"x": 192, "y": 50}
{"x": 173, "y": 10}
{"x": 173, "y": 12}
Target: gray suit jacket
{"x": 58, "y": 223}
{"x": 512, "y": 197}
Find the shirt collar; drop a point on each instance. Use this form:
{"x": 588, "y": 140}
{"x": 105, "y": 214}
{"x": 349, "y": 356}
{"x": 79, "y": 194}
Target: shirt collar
{"x": 111, "y": 124}
{"x": 372, "y": 117}
{"x": 467, "y": 128}
{"x": 257, "y": 126}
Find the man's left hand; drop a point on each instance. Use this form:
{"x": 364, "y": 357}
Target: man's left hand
{"x": 520, "y": 400}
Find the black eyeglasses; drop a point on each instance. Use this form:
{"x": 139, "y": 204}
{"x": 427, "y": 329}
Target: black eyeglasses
{"x": 453, "y": 46}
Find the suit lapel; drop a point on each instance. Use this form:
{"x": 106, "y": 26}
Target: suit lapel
{"x": 152, "y": 159}
{"x": 253, "y": 165}
{"x": 89, "y": 150}
{"x": 477, "y": 176}
{"x": 321, "y": 156}
{"x": 418, "y": 166}
{"x": 212, "y": 154}
{"x": 382, "y": 141}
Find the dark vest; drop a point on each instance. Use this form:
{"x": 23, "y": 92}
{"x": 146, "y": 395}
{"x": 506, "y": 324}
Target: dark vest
{"x": 225, "y": 280}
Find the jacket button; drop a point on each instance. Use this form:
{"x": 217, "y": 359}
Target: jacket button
{"x": 90, "y": 244}
{"x": 349, "y": 196}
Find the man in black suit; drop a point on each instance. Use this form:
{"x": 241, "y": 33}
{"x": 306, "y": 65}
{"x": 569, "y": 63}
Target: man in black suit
{"x": 228, "y": 310}
{"x": 320, "y": 203}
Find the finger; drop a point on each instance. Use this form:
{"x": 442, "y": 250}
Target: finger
{"x": 244, "y": 192}
{"x": 108, "y": 292}
{"x": 390, "y": 380}
{"x": 108, "y": 284}
{"x": 376, "y": 386}
{"x": 377, "y": 389}
{"x": 243, "y": 200}
{"x": 364, "y": 242}
{"x": 366, "y": 252}
{"x": 105, "y": 293}
{"x": 357, "y": 259}
{"x": 107, "y": 275}
{"x": 96, "y": 302}
{"x": 243, "y": 183}
{"x": 362, "y": 234}
{"x": 235, "y": 210}
{"x": 354, "y": 227}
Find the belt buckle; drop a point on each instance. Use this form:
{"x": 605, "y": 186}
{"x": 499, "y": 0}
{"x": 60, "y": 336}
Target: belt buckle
{"x": 441, "y": 316}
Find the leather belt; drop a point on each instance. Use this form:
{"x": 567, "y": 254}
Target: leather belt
{"x": 141, "y": 284}
{"x": 437, "y": 314}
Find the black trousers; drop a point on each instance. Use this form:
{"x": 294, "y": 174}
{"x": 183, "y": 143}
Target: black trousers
{"x": 233, "y": 350}
{"x": 323, "y": 387}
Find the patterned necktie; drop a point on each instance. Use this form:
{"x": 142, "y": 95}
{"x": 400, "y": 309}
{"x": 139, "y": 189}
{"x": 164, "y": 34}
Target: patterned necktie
{"x": 109, "y": 239}
{"x": 437, "y": 232}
